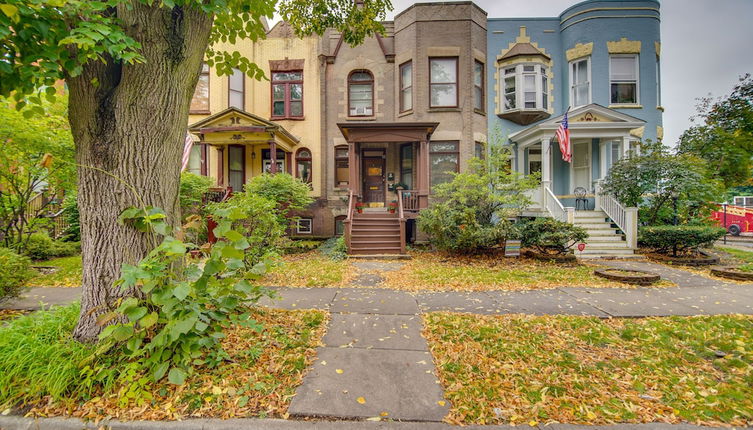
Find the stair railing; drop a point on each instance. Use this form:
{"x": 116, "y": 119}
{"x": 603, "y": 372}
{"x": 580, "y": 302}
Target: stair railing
{"x": 401, "y": 215}
{"x": 625, "y": 218}
{"x": 349, "y": 219}
{"x": 555, "y": 208}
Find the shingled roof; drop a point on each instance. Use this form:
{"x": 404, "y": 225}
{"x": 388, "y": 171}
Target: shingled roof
{"x": 523, "y": 49}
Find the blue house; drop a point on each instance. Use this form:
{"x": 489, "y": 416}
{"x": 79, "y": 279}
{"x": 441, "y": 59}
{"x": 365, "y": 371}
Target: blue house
{"x": 599, "y": 61}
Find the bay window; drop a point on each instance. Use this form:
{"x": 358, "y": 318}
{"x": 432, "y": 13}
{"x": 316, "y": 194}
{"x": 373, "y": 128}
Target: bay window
{"x": 526, "y": 86}
{"x": 478, "y": 86}
{"x": 444, "y": 158}
{"x": 623, "y": 79}
{"x": 443, "y": 82}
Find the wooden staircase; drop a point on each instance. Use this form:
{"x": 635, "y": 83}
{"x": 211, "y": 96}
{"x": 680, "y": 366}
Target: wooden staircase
{"x": 375, "y": 233}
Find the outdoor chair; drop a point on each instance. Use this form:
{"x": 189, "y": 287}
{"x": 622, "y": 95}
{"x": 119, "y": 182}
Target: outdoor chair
{"x": 580, "y": 198}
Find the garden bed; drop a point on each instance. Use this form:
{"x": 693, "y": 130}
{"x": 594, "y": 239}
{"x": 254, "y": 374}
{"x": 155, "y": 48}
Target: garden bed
{"x": 636, "y": 277}
{"x": 522, "y": 369}
{"x": 731, "y": 272}
{"x": 558, "y": 258}
{"x": 699, "y": 259}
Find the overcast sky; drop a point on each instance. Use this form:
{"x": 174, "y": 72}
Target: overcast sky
{"x": 706, "y": 46}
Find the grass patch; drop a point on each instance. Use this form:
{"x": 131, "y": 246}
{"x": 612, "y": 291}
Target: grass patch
{"x": 68, "y": 275}
{"x": 582, "y": 370}
{"x": 44, "y": 371}
{"x": 745, "y": 258}
{"x": 438, "y": 272}
{"x": 311, "y": 269}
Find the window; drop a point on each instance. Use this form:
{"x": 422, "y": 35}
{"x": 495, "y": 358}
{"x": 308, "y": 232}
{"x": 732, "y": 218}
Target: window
{"x": 341, "y": 167}
{"x": 340, "y": 225}
{"x": 580, "y": 82}
{"x": 200, "y": 100}
{"x": 267, "y": 161}
{"x": 534, "y": 160}
{"x": 444, "y": 158}
{"x": 406, "y": 165}
{"x": 658, "y": 82}
{"x": 478, "y": 86}
{"x": 236, "y": 88}
{"x": 304, "y": 225}
{"x": 480, "y": 151}
{"x": 303, "y": 165}
{"x": 360, "y": 93}
{"x": 287, "y": 94}
{"x": 623, "y": 79}
{"x": 526, "y": 86}
{"x": 443, "y": 82}
{"x": 197, "y": 160}
{"x": 616, "y": 151}
{"x": 406, "y": 86}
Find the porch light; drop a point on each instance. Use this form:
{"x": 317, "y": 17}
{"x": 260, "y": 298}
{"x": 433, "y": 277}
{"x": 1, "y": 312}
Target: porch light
{"x": 253, "y": 155}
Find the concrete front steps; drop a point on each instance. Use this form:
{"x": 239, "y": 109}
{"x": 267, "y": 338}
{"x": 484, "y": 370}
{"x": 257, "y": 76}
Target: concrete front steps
{"x": 604, "y": 239}
{"x": 375, "y": 233}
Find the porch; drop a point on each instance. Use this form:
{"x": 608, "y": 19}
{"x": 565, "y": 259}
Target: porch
{"x": 388, "y": 165}
{"x": 599, "y": 137}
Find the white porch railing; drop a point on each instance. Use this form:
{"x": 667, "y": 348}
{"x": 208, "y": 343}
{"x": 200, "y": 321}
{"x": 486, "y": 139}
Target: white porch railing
{"x": 555, "y": 208}
{"x": 625, "y": 218}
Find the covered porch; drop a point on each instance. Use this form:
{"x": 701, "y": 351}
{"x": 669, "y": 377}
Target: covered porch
{"x": 243, "y": 145}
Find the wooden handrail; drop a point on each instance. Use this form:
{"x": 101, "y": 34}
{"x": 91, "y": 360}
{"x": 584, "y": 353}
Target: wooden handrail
{"x": 349, "y": 218}
{"x": 401, "y": 215}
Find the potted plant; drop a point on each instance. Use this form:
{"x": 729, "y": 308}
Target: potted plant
{"x": 359, "y": 207}
{"x": 392, "y": 207}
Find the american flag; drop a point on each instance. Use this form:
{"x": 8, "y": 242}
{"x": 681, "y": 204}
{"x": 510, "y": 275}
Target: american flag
{"x": 563, "y": 136}
{"x": 187, "y": 145}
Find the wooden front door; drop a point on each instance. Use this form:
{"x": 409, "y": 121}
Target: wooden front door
{"x": 373, "y": 178}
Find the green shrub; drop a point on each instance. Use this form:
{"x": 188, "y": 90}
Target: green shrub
{"x": 40, "y": 246}
{"x": 72, "y": 233}
{"x": 678, "y": 239}
{"x": 192, "y": 190}
{"x": 298, "y": 246}
{"x": 551, "y": 236}
{"x": 15, "y": 270}
{"x": 335, "y": 248}
{"x": 39, "y": 358}
{"x": 289, "y": 194}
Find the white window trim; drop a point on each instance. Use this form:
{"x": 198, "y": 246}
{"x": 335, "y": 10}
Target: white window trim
{"x": 520, "y": 90}
{"x": 588, "y": 79}
{"x": 637, "y": 78}
{"x": 308, "y": 230}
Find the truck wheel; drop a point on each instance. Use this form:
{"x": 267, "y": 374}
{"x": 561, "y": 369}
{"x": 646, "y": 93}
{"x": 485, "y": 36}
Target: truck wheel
{"x": 734, "y": 230}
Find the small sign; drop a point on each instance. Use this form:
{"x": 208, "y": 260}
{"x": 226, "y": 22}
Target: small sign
{"x": 512, "y": 248}
{"x": 581, "y": 247}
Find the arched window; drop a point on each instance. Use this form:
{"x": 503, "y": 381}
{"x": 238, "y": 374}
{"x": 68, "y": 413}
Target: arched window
{"x": 303, "y": 165}
{"x": 360, "y": 93}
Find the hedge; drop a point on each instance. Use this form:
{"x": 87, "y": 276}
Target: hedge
{"x": 551, "y": 236}
{"x": 676, "y": 239}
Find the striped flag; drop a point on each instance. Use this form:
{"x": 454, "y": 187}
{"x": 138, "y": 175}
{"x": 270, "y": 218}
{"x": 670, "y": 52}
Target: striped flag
{"x": 187, "y": 145}
{"x": 563, "y": 136}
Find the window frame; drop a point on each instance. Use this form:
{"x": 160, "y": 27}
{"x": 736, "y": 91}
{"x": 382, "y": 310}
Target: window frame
{"x": 402, "y": 89}
{"x": 369, "y": 82}
{"x": 658, "y": 82}
{"x": 637, "y": 79}
{"x": 571, "y": 70}
{"x": 310, "y": 159}
{"x": 540, "y": 77}
{"x": 432, "y": 152}
{"x": 482, "y": 87}
{"x": 341, "y": 219}
{"x": 310, "y": 227}
{"x": 456, "y": 83}
{"x": 345, "y": 159}
{"x": 242, "y": 91}
{"x": 205, "y": 71}
{"x": 287, "y": 100}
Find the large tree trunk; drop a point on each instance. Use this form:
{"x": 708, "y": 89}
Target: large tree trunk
{"x": 129, "y": 125}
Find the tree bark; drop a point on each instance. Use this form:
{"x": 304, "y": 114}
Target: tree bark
{"x": 129, "y": 124}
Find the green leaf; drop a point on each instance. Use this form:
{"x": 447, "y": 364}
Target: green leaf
{"x": 176, "y": 376}
{"x": 149, "y": 320}
{"x": 233, "y": 236}
{"x": 160, "y": 371}
{"x": 9, "y": 10}
{"x": 122, "y": 332}
{"x": 181, "y": 290}
{"x": 135, "y": 313}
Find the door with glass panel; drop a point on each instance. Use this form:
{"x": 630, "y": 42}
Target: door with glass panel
{"x": 236, "y": 167}
{"x": 581, "y": 165}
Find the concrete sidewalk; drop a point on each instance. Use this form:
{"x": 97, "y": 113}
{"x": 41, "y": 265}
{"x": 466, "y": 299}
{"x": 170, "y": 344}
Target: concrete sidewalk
{"x": 18, "y": 423}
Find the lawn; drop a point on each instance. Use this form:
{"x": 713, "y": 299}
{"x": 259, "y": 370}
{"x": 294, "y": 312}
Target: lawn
{"x": 581, "y": 370}
{"x": 67, "y": 275}
{"x": 40, "y": 366}
{"x": 745, "y": 258}
{"x": 437, "y": 272}
{"x": 311, "y": 269}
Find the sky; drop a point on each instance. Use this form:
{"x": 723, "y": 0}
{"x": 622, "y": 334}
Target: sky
{"x": 706, "y": 47}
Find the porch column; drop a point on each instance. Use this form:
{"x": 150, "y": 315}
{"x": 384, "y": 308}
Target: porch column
{"x": 546, "y": 163}
{"x": 603, "y": 159}
{"x": 423, "y": 173}
{"x": 625, "y": 146}
{"x": 220, "y": 166}
{"x": 272, "y": 156}
{"x": 352, "y": 173}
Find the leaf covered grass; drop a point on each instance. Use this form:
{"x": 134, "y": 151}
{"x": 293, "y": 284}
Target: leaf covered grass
{"x": 67, "y": 275}
{"x": 44, "y": 371}
{"x": 745, "y": 258}
{"x": 440, "y": 272}
{"x": 311, "y": 269}
{"x": 581, "y": 370}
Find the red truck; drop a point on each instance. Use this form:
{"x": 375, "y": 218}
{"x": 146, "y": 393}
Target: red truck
{"x": 738, "y": 219}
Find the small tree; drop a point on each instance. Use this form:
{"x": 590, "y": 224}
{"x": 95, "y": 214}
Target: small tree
{"x": 470, "y": 213}
{"x": 290, "y": 194}
{"x": 657, "y": 179}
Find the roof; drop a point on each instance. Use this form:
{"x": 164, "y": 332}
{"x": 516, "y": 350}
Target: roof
{"x": 402, "y": 131}
{"x": 524, "y": 49}
{"x": 258, "y": 121}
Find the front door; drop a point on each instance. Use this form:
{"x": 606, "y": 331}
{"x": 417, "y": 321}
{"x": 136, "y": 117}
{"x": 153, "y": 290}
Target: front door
{"x": 236, "y": 167}
{"x": 373, "y": 178}
{"x": 582, "y": 165}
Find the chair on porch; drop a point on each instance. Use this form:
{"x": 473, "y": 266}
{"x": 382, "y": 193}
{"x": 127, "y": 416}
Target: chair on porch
{"x": 580, "y": 198}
